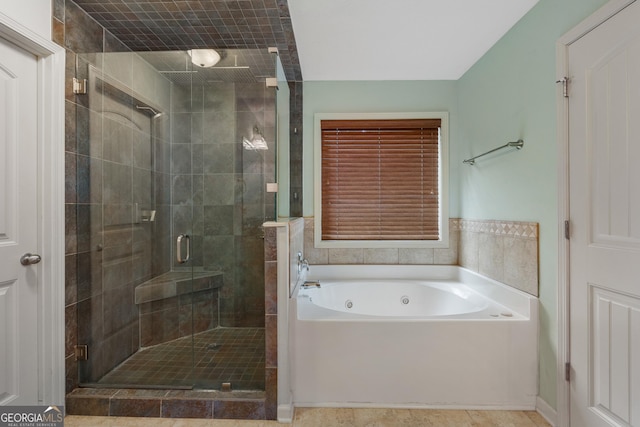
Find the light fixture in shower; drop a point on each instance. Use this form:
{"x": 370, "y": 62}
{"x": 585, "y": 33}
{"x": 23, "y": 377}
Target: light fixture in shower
{"x": 204, "y": 58}
{"x": 256, "y": 142}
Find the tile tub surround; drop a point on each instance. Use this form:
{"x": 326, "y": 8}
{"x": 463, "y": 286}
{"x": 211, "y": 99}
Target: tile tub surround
{"x": 446, "y": 256}
{"x": 506, "y": 251}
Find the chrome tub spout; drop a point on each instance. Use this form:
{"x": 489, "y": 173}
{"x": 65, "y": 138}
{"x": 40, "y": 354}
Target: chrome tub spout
{"x": 311, "y": 284}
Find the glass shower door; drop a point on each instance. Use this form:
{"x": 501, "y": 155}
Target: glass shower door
{"x": 175, "y": 175}
{"x": 129, "y": 293}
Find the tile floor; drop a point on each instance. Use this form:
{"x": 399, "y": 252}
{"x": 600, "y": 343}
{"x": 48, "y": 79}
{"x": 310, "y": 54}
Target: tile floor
{"x": 235, "y": 355}
{"x": 341, "y": 417}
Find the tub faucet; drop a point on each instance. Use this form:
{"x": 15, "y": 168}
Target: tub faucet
{"x": 303, "y": 264}
{"x": 311, "y": 284}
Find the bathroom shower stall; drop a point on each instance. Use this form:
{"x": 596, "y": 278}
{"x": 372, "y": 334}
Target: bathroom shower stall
{"x": 176, "y": 176}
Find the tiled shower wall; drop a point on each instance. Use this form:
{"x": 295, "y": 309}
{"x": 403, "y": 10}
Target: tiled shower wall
{"x": 295, "y": 150}
{"x": 506, "y": 251}
{"x": 292, "y": 232}
{"x": 222, "y": 186}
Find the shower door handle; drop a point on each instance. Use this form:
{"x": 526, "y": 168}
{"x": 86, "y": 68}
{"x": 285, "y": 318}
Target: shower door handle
{"x": 179, "y": 248}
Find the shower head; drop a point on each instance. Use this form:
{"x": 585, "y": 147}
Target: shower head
{"x": 154, "y": 112}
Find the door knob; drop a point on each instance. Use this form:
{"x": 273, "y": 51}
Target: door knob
{"x": 28, "y": 259}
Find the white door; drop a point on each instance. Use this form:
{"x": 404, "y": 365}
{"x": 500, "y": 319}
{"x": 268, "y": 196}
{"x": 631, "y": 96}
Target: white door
{"x": 604, "y": 185}
{"x": 18, "y": 226}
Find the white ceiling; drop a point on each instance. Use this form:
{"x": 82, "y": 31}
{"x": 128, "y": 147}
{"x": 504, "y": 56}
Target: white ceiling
{"x": 398, "y": 40}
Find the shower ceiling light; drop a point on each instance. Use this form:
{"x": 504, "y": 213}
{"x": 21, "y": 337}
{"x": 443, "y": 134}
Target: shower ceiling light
{"x": 256, "y": 142}
{"x": 204, "y": 58}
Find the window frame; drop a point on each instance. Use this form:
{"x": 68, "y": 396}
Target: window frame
{"x": 443, "y": 216}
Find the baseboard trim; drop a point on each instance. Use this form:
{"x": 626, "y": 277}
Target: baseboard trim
{"x": 285, "y": 413}
{"x": 547, "y": 412}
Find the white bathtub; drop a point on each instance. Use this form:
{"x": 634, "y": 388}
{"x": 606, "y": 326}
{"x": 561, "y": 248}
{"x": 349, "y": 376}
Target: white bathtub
{"x": 412, "y": 336}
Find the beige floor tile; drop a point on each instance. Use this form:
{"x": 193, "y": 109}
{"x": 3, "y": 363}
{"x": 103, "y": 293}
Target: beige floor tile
{"x": 240, "y": 423}
{"x": 340, "y": 417}
{"x": 142, "y": 422}
{"x": 537, "y": 419}
{"x": 232, "y": 423}
{"x": 382, "y": 418}
{"x": 500, "y": 419}
{"x": 441, "y": 418}
{"x": 82, "y": 421}
{"x": 189, "y": 422}
{"x": 323, "y": 417}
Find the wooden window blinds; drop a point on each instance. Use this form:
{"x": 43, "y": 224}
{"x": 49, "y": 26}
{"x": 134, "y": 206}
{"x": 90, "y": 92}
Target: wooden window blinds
{"x": 380, "y": 179}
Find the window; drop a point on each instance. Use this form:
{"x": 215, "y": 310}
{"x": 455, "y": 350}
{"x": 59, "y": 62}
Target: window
{"x": 380, "y": 180}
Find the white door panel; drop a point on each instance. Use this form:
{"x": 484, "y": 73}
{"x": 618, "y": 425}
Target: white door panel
{"x": 18, "y": 226}
{"x": 604, "y": 185}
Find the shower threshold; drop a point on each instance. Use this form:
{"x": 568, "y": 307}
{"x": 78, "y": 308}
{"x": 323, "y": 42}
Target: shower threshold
{"x": 136, "y": 386}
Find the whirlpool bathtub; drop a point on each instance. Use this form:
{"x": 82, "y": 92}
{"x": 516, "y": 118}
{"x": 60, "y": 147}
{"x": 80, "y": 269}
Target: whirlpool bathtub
{"x": 412, "y": 336}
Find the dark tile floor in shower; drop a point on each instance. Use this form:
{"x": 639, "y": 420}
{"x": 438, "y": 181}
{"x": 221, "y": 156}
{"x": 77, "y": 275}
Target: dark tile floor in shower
{"x": 221, "y": 355}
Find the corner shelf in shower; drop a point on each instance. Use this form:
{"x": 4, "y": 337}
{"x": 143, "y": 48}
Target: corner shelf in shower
{"x": 176, "y": 283}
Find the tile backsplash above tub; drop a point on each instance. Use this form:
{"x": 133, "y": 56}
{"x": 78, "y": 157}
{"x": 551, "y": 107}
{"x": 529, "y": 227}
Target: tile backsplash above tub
{"x": 506, "y": 251}
{"x": 315, "y": 255}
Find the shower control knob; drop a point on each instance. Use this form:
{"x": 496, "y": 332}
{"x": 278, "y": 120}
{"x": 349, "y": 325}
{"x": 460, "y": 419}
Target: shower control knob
{"x": 29, "y": 259}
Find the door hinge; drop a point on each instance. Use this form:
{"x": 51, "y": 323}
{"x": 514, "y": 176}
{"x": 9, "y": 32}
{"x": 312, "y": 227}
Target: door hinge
{"x": 82, "y": 352}
{"x": 79, "y": 86}
{"x": 567, "y": 371}
{"x": 567, "y": 230}
{"x": 565, "y": 86}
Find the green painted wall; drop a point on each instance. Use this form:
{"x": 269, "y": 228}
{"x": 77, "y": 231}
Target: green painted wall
{"x": 370, "y": 97}
{"x": 510, "y": 93}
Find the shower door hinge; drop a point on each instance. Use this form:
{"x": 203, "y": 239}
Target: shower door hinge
{"x": 567, "y": 371}
{"x": 567, "y": 231}
{"x": 79, "y": 86}
{"x": 272, "y": 187}
{"x": 82, "y": 352}
{"x": 565, "y": 86}
{"x": 271, "y": 82}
